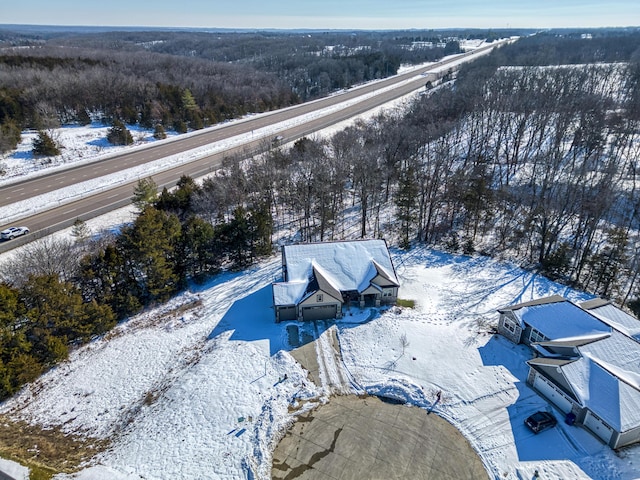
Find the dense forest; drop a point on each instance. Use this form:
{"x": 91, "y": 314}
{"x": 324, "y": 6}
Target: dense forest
{"x": 531, "y": 154}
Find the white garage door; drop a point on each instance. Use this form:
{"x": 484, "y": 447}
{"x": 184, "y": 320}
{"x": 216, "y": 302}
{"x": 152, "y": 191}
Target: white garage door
{"x": 597, "y": 426}
{"x": 552, "y": 393}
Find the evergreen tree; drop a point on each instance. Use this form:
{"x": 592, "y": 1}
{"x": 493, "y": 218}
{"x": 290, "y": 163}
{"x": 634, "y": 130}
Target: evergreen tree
{"x": 158, "y": 132}
{"x": 261, "y": 228}
{"x": 118, "y": 134}
{"x": 406, "y": 204}
{"x": 145, "y": 193}
{"x": 151, "y": 253}
{"x": 105, "y": 278}
{"x": 9, "y": 305}
{"x": 44, "y": 145}
{"x": 178, "y": 201}
{"x": 199, "y": 252}
{"x": 80, "y": 230}
{"x": 56, "y": 309}
{"x": 9, "y": 136}
{"x": 83, "y": 117}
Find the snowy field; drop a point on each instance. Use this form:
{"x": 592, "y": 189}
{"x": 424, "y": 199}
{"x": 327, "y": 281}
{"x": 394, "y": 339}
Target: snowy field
{"x": 195, "y": 389}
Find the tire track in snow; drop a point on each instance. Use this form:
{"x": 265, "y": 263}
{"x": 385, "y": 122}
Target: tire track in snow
{"x": 332, "y": 374}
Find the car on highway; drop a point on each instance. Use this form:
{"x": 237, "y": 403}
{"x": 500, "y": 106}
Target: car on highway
{"x": 13, "y": 232}
{"x": 540, "y": 421}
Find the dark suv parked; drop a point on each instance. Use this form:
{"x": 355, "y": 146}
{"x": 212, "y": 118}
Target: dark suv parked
{"x": 540, "y": 421}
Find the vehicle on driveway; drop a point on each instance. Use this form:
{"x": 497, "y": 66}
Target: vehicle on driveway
{"x": 13, "y": 232}
{"x": 540, "y": 421}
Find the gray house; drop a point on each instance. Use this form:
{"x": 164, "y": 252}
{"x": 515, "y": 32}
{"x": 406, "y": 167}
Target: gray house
{"x": 549, "y": 318}
{"x": 598, "y": 381}
{"x": 585, "y": 366}
{"x": 322, "y": 279}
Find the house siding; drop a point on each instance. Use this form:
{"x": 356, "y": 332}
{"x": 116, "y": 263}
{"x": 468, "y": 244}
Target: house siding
{"x": 516, "y": 335}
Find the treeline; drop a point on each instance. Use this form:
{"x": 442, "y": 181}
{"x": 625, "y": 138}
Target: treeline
{"x": 59, "y": 294}
{"x": 184, "y": 81}
{"x": 43, "y": 87}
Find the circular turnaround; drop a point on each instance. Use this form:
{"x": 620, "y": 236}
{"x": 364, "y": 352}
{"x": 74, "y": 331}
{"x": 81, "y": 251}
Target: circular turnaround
{"x": 366, "y": 438}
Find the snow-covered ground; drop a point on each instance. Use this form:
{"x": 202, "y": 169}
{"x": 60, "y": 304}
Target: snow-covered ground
{"x": 200, "y": 393}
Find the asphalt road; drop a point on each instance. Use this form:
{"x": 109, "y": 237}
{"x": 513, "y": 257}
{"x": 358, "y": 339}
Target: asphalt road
{"x": 57, "y": 217}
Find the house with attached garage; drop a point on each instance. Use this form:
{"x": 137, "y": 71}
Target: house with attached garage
{"x": 548, "y": 318}
{"x": 321, "y": 280}
{"x": 588, "y": 368}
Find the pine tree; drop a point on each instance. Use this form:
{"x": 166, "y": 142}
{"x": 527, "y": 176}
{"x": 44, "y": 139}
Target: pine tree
{"x": 9, "y": 305}
{"x": 118, "y": 134}
{"x": 80, "y": 230}
{"x": 406, "y": 205}
{"x": 83, "y": 117}
{"x": 45, "y": 146}
{"x": 106, "y": 279}
{"x": 145, "y": 193}
{"x": 151, "y": 252}
{"x": 199, "y": 254}
{"x": 9, "y": 135}
{"x": 159, "y": 133}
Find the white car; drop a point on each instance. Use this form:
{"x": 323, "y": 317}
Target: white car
{"x": 13, "y": 232}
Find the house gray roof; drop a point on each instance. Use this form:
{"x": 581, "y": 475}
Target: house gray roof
{"x": 556, "y": 362}
{"x": 574, "y": 342}
{"x": 594, "y": 303}
{"x": 614, "y": 316}
{"x": 558, "y": 319}
{"x": 605, "y": 377}
{"x": 533, "y": 303}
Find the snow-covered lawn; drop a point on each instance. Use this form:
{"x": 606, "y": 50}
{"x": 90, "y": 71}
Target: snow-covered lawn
{"x": 196, "y": 388}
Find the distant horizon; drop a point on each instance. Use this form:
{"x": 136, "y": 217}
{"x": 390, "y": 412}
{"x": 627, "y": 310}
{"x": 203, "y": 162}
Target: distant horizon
{"x": 61, "y": 28}
{"x": 328, "y": 14}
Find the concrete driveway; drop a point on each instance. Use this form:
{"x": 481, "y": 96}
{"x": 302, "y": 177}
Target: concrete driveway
{"x": 365, "y": 438}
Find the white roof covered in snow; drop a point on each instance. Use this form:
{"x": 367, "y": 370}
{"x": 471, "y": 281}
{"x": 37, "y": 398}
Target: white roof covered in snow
{"x": 560, "y": 320}
{"x": 618, "y": 319}
{"x": 349, "y": 264}
{"x": 607, "y": 380}
{"x": 288, "y": 293}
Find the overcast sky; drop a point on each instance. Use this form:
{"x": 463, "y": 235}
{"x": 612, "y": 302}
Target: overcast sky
{"x": 325, "y": 14}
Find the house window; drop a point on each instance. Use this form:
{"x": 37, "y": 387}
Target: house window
{"x": 319, "y": 297}
{"x": 510, "y": 326}
{"x": 536, "y": 336}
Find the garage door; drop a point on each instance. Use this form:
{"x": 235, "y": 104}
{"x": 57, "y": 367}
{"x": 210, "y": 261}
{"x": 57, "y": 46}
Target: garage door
{"x": 552, "y": 393}
{"x": 287, "y": 313}
{"x": 321, "y": 312}
{"x": 597, "y": 426}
